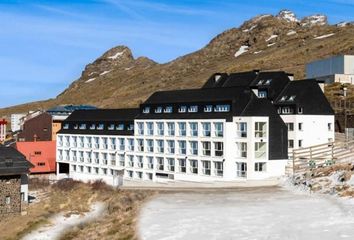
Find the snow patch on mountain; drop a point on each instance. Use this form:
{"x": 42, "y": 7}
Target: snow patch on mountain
{"x": 117, "y": 55}
{"x": 241, "y": 50}
{"x": 288, "y": 16}
{"x": 270, "y": 44}
{"x": 257, "y": 52}
{"x": 314, "y": 20}
{"x": 291, "y": 32}
{"x": 250, "y": 29}
{"x": 90, "y": 80}
{"x": 271, "y": 37}
{"x": 105, "y": 72}
{"x": 324, "y": 36}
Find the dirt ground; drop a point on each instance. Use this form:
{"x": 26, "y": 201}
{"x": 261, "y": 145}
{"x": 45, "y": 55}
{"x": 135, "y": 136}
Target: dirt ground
{"x": 71, "y": 197}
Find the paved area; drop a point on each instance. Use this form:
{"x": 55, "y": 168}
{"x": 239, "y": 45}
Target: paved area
{"x": 243, "y": 214}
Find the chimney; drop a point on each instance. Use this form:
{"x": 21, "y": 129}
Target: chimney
{"x": 35, "y": 137}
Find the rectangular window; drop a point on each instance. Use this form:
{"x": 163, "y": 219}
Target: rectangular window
{"x": 241, "y": 149}
{"x": 111, "y": 127}
{"x": 260, "y": 167}
{"x": 300, "y": 143}
{"x": 100, "y": 126}
{"x": 182, "y": 109}
{"x": 120, "y": 127}
{"x": 160, "y": 128}
{"x": 260, "y": 149}
{"x": 66, "y": 126}
{"x": 219, "y": 149}
{"x": 113, "y": 143}
{"x": 82, "y": 126}
{"x": 146, "y": 110}
{"x": 206, "y": 129}
{"x": 260, "y": 129}
{"x": 150, "y": 162}
{"x": 140, "y": 128}
{"x": 158, "y": 110}
{"x": 300, "y": 126}
{"x": 150, "y": 128}
{"x": 182, "y": 129}
{"x": 182, "y": 165}
{"x": 219, "y": 168}
{"x": 139, "y": 161}
{"x": 219, "y": 129}
{"x": 171, "y": 146}
{"x": 182, "y": 147}
{"x": 121, "y": 143}
{"x": 300, "y": 110}
{"x": 290, "y": 126}
{"x": 206, "y": 148}
{"x": 222, "y": 108}
{"x": 193, "y": 109}
{"x": 329, "y": 126}
{"x": 193, "y": 166}
{"x": 131, "y": 144}
{"x": 121, "y": 160}
{"x": 168, "y": 109}
{"x": 150, "y": 145}
{"x": 193, "y": 126}
{"x": 208, "y": 108}
{"x": 140, "y": 143}
{"x": 171, "y": 129}
{"x": 171, "y": 164}
{"x": 262, "y": 94}
{"x": 193, "y": 147}
{"x": 241, "y": 128}
{"x": 130, "y": 161}
{"x": 160, "y": 146}
{"x": 159, "y": 163}
{"x": 290, "y": 143}
{"x": 241, "y": 169}
{"x": 92, "y": 126}
{"x": 206, "y": 167}
{"x": 130, "y": 174}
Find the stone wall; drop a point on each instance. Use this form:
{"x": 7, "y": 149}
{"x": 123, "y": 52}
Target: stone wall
{"x": 10, "y": 186}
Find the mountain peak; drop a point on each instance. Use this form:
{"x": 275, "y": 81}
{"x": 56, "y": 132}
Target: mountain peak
{"x": 314, "y": 20}
{"x": 118, "y": 53}
{"x": 287, "y": 15}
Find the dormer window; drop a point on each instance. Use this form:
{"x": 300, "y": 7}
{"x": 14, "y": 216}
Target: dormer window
{"x": 120, "y": 126}
{"x": 158, "y": 110}
{"x": 82, "y": 126}
{"x": 208, "y": 108}
{"x": 222, "y": 108}
{"x": 292, "y": 98}
{"x": 93, "y": 126}
{"x": 66, "y": 126}
{"x": 193, "y": 109}
{"x": 268, "y": 82}
{"x": 111, "y": 127}
{"x": 146, "y": 110}
{"x": 300, "y": 110}
{"x": 76, "y": 126}
{"x": 100, "y": 126}
{"x": 283, "y": 98}
{"x": 260, "y": 82}
{"x": 168, "y": 109}
{"x": 131, "y": 127}
{"x": 182, "y": 109}
{"x": 262, "y": 94}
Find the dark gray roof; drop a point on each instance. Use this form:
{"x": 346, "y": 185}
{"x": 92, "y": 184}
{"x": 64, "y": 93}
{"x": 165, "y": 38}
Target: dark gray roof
{"x": 69, "y": 108}
{"x": 95, "y": 115}
{"x": 13, "y": 162}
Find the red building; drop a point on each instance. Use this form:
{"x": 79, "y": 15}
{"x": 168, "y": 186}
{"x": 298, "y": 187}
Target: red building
{"x": 41, "y": 154}
{"x": 2, "y": 130}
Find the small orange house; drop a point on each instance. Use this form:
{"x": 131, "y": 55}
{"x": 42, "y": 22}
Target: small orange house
{"x": 41, "y": 154}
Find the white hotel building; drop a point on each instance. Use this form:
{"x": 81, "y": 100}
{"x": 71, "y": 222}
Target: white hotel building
{"x": 232, "y": 129}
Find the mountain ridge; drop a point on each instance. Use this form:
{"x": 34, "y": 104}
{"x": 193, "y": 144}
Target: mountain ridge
{"x": 265, "y": 42}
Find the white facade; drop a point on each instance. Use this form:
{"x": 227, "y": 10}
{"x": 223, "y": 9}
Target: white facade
{"x": 182, "y": 150}
{"x": 2, "y": 131}
{"x": 308, "y": 130}
{"x": 15, "y": 121}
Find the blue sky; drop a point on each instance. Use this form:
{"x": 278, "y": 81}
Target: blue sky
{"x": 44, "y": 45}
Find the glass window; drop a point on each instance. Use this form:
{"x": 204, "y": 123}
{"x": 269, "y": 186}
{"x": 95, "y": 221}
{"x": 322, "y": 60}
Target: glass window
{"x": 158, "y": 110}
{"x": 168, "y": 109}
{"x": 111, "y": 126}
{"x": 241, "y": 149}
{"x": 171, "y": 128}
{"x": 206, "y": 167}
{"x": 300, "y": 110}
{"x": 219, "y": 129}
{"x": 150, "y": 128}
{"x": 171, "y": 164}
{"x": 131, "y": 144}
{"x": 193, "y": 166}
{"x": 92, "y": 126}
{"x": 206, "y": 129}
{"x": 182, "y": 128}
{"x": 222, "y": 108}
{"x": 150, "y": 145}
{"x": 193, "y": 126}
{"x": 182, "y": 165}
{"x": 260, "y": 167}
{"x": 193, "y": 109}
{"x": 130, "y": 161}
{"x": 146, "y": 110}
{"x": 208, "y": 108}
{"x": 182, "y": 147}
{"x": 121, "y": 144}
{"x": 300, "y": 127}
{"x": 219, "y": 149}
{"x": 193, "y": 147}
{"x": 66, "y": 126}
{"x": 120, "y": 127}
{"x": 219, "y": 168}
{"x": 300, "y": 143}
{"x": 260, "y": 149}
{"x": 290, "y": 126}
{"x": 160, "y": 128}
{"x": 206, "y": 148}
{"x": 150, "y": 162}
{"x": 260, "y": 129}
{"x": 182, "y": 109}
{"x": 241, "y": 128}
{"x": 329, "y": 126}
{"x": 160, "y": 146}
{"x": 159, "y": 163}
{"x": 171, "y": 146}
{"x": 140, "y": 143}
{"x": 100, "y": 126}
{"x": 241, "y": 169}
{"x": 262, "y": 94}
{"x": 82, "y": 126}
{"x": 139, "y": 161}
{"x": 121, "y": 160}
{"x": 140, "y": 128}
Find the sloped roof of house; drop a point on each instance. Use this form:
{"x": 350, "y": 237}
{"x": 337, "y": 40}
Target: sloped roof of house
{"x": 12, "y": 162}
{"x": 94, "y": 115}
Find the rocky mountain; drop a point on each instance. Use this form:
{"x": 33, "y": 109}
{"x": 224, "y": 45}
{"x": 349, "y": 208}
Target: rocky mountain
{"x": 265, "y": 42}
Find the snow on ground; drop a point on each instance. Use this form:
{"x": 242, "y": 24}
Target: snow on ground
{"x": 59, "y": 224}
{"x": 241, "y": 50}
{"x": 314, "y": 20}
{"x": 291, "y": 32}
{"x": 257, "y": 52}
{"x": 324, "y": 36}
{"x": 90, "y": 80}
{"x": 270, "y": 44}
{"x": 117, "y": 55}
{"x": 105, "y": 72}
{"x": 90, "y": 74}
{"x": 271, "y": 37}
{"x": 242, "y": 214}
{"x": 250, "y": 29}
{"x": 288, "y": 16}
{"x": 128, "y": 68}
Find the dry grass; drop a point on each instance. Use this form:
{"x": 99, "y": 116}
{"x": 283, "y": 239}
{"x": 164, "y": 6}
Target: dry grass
{"x": 76, "y": 197}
